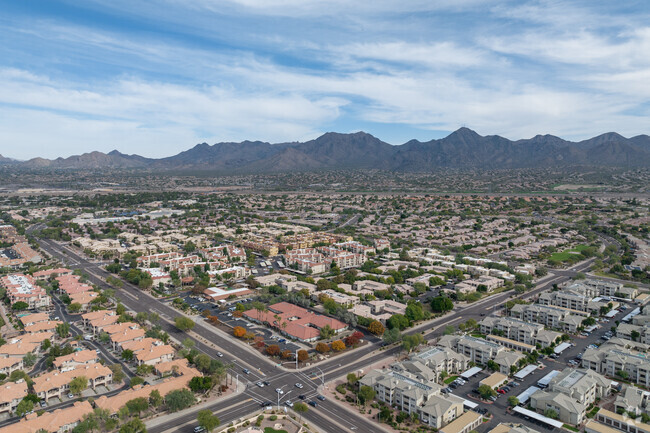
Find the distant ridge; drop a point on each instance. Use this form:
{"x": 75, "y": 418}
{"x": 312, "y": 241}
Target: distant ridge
{"x": 463, "y": 148}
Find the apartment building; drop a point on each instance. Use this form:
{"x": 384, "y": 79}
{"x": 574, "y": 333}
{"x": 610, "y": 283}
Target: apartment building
{"x": 339, "y": 298}
{"x": 583, "y": 385}
{"x": 550, "y": 316}
{"x": 275, "y": 279}
{"x": 569, "y": 410}
{"x": 57, "y": 421}
{"x": 150, "y": 351}
{"x": 10, "y": 364}
{"x": 519, "y": 330}
{"x": 23, "y": 288}
{"x": 609, "y": 288}
{"x": 98, "y": 320}
{"x": 476, "y": 349}
{"x": 633, "y": 400}
{"x": 57, "y": 383}
{"x": 609, "y": 359}
{"x": 439, "y": 359}
{"x": 11, "y": 394}
{"x": 369, "y": 285}
{"x": 75, "y": 360}
{"x": 640, "y": 333}
{"x": 413, "y": 393}
{"x": 379, "y": 310}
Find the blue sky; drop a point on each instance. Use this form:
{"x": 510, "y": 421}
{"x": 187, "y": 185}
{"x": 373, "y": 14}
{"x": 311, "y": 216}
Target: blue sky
{"x": 156, "y": 77}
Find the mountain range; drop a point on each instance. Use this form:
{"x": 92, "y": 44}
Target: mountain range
{"x": 463, "y": 148}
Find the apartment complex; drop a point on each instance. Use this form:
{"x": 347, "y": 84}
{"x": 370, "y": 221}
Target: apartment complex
{"x": 23, "y": 288}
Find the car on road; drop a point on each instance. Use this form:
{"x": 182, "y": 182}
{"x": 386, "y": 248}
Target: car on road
{"x": 279, "y": 391}
{"x": 247, "y": 371}
{"x": 289, "y": 403}
{"x": 220, "y": 355}
{"x": 260, "y": 384}
{"x": 301, "y": 396}
{"x": 321, "y": 397}
{"x": 299, "y": 385}
{"x": 199, "y": 429}
{"x": 266, "y": 383}
{"x": 313, "y": 403}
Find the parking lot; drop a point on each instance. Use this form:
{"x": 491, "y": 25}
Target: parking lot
{"x": 568, "y": 358}
{"x": 226, "y": 317}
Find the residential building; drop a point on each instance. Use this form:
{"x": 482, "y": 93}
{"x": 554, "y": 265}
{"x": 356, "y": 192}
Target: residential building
{"x": 11, "y": 394}
{"x": 57, "y": 421}
{"x": 439, "y": 359}
{"x": 620, "y": 422}
{"x": 23, "y": 288}
{"x": 465, "y": 423}
{"x": 57, "y": 383}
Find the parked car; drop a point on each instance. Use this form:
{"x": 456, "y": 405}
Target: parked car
{"x": 70, "y": 395}
{"x": 299, "y": 385}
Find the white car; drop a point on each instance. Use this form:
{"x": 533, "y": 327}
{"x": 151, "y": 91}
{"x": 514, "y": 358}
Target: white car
{"x": 299, "y": 385}
{"x": 279, "y": 391}
{"x": 288, "y": 403}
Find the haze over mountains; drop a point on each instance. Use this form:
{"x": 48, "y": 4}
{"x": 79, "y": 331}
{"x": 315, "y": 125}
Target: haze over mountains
{"x": 463, "y": 148}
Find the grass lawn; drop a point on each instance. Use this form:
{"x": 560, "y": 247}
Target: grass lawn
{"x": 272, "y": 430}
{"x": 569, "y": 255}
{"x": 450, "y": 379}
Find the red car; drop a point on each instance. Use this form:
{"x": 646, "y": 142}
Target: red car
{"x": 501, "y": 391}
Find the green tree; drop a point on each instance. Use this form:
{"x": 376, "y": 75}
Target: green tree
{"x": 74, "y": 307}
{"x": 118, "y": 374}
{"x": 208, "y": 420}
{"x": 300, "y": 408}
{"x": 135, "y": 381}
{"x": 513, "y": 401}
{"x": 20, "y": 306}
{"x": 179, "y": 399}
{"x": 134, "y": 425}
{"x": 366, "y": 394}
{"x": 486, "y": 391}
{"x": 24, "y": 406}
{"x": 398, "y": 321}
{"x": 441, "y": 304}
{"x": 155, "y": 399}
{"x": 352, "y": 379}
{"x": 78, "y": 384}
{"x": 63, "y": 329}
{"x": 492, "y": 365}
{"x": 411, "y": 342}
{"x": 392, "y": 336}
{"x": 127, "y": 355}
{"x": 29, "y": 359}
{"x": 326, "y": 332}
{"x": 184, "y": 323}
{"x": 137, "y": 405}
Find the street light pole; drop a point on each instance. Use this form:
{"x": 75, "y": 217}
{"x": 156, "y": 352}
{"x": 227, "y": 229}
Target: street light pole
{"x": 279, "y": 389}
